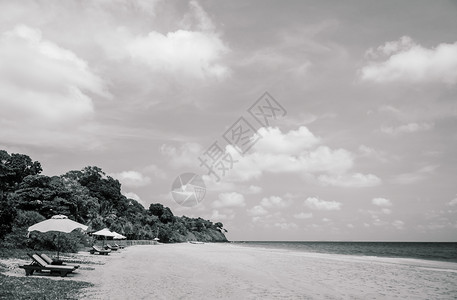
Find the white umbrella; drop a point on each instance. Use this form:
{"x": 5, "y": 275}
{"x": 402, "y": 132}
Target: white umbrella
{"x": 104, "y": 232}
{"x": 59, "y": 223}
{"x": 118, "y": 236}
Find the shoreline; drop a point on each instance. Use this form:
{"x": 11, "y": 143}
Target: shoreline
{"x": 230, "y": 271}
{"x": 334, "y": 249}
{"x": 227, "y": 271}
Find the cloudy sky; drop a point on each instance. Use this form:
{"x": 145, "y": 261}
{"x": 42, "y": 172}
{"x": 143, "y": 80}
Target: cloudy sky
{"x": 142, "y": 89}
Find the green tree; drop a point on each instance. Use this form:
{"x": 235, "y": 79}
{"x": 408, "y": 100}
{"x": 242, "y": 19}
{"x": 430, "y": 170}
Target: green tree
{"x": 164, "y": 213}
{"x": 96, "y": 223}
{"x": 14, "y": 168}
{"x": 104, "y": 188}
{"x": 165, "y": 233}
{"x": 86, "y": 207}
{"x": 18, "y": 235}
{"x": 7, "y": 215}
{"x": 47, "y": 195}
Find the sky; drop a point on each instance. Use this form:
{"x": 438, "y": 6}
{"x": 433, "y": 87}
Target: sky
{"x": 363, "y": 150}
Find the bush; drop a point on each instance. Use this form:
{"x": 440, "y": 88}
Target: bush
{"x": 7, "y": 215}
{"x": 17, "y": 238}
{"x": 57, "y": 241}
{"x": 20, "y": 238}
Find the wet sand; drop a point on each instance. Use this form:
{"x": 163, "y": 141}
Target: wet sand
{"x": 227, "y": 271}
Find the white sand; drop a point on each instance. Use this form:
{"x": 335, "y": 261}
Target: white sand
{"x": 212, "y": 271}
{"x": 227, "y": 271}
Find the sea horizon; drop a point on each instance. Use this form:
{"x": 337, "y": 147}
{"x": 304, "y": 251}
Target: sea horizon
{"x": 334, "y": 241}
{"x": 436, "y": 251}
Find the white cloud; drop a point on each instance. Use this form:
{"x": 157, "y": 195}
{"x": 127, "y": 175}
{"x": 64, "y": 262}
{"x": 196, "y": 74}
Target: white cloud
{"x": 285, "y": 225}
{"x": 203, "y": 21}
{"x": 367, "y": 151}
{"x": 221, "y": 185}
{"x": 183, "y": 53}
{"x": 453, "y": 202}
{"x": 416, "y": 176}
{"x": 282, "y": 55}
{"x": 322, "y": 159}
{"x": 317, "y": 204}
{"x": 253, "y": 189}
{"x": 350, "y": 180}
{"x": 47, "y": 87}
{"x": 303, "y": 215}
{"x": 292, "y": 142}
{"x": 43, "y": 80}
{"x": 184, "y": 156}
{"x": 421, "y": 117}
{"x": 218, "y": 216}
{"x": 131, "y": 178}
{"x": 381, "y": 202}
{"x": 386, "y": 211}
{"x": 332, "y": 167}
{"x": 371, "y": 152}
{"x": 297, "y": 151}
{"x": 135, "y": 197}
{"x": 232, "y": 199}
{"x": 408, "y": 61}
{"x": 257, "y": 210}
{"x": 407, "y": 128}
{"x": 405, "y": 42}
{"x": 273, "y": 202}
{"x": 186, "y": 53}
{"x": 398, "y": 224}
{"x": 155, "y": 170}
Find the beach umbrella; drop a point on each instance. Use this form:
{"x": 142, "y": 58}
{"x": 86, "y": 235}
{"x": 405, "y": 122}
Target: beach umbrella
{"x": 105, "y": 232}
{"x": 118, "y": 236}
{"x": 59, "y": 223}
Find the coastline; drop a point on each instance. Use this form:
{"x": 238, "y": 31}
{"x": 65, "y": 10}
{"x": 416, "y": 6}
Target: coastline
{"x": 227, "y": 271}
{"x": 434, "y": 251}
{"x": 230, "y": 271}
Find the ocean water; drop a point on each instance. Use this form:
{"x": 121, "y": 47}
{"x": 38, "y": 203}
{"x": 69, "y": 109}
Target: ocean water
{"x": 418, "y": 250}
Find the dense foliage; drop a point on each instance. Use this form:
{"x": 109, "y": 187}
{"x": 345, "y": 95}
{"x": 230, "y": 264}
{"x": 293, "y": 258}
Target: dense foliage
{"x": 88, "y": 196}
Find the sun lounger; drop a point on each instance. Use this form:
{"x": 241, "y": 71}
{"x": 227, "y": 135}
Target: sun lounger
{"x": 110, "y": 247}
{"x": 39, "y": 265}
{"x": 51, "y": 261}
{"x": 119, "y": 246}
{"x": 96, "y": 249}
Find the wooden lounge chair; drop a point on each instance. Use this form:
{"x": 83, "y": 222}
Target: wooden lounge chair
{"x": 110, "y": 247}
{"x": 119, "y": 246}
{"x": 96, "y": 249}
{"x": 51, "y": 261}
{"x": 39, "y": 265}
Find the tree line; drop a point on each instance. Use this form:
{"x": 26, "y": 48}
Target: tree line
{"x": 87, "y": 196}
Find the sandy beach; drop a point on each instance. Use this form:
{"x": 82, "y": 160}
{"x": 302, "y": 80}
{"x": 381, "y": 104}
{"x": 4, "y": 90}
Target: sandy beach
{"x": 227, "y": 271}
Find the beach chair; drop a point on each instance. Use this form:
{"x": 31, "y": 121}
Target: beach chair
{"x": 110, "y": 247}
{"x": 51, "y": 261}
{"x": 96, "y": 249}
{"x": 119, "y": 246}
{"x": 39, "y": 265}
